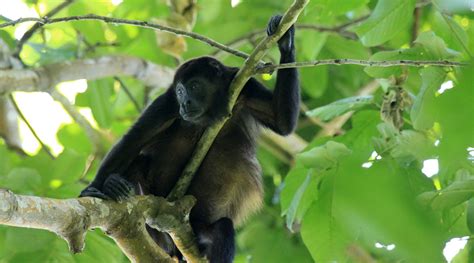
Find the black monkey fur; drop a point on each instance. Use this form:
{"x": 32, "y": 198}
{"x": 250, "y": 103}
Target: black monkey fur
{"x": 151, "y": 155}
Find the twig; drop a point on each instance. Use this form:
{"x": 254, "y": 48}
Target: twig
{"x": 91, "y": 132}
{"x": 4, "y": 18}
{"x": 118, "y": 21}
{"x": 36, "y": 26}
{"x": 25, "y": 120}
{"x": 423, "y": 3}
{"x": 369, "y": 63}
{"x": 416, "y": 24}
{"x": 341, "y": 29}
{"x": 245, "y": 72}
{"x": 129, "y": 94}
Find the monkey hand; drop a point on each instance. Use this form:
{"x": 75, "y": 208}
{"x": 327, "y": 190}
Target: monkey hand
{"x": 115, "y": 188}
{"x": 93, "y": 192}
{"x": 286, "y": 42}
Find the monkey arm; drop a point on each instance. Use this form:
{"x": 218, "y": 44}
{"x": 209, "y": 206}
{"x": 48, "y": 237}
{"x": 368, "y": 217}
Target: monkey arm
{"x": 154, "y": 119}
{"x": 278, "y": 111}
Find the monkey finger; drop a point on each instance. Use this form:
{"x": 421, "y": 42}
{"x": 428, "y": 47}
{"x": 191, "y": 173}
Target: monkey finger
{"x": 122, "y": 185}
{"x": 94, "y": 192}
{"x": 115, "y": 193}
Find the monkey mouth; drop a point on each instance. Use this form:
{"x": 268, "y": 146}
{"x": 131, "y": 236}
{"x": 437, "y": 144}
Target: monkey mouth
{"x": 192, "y": 115}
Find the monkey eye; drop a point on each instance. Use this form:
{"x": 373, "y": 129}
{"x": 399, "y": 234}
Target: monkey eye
{"x": 195, "y": 85}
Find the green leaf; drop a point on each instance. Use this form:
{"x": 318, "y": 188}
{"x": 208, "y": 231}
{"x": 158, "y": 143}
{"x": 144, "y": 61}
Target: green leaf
{"x": 324, "y": 157}
{"x": 415, "y": 53}
{"x": 311, "y": 44}
{"x": 340, "y": 107}
{"x": 412, "y": 145}
{"x": 455, "y": 116}
{"x": 450, "y": 31}
{"x": 48, "y": 55}
{"x": 450, "y": 196}
{"x": 263, "y": 240}
{"x": 73, "y": 137}
{"x": 434, "y": 46}
{"x": 428, "y": 46}
{"x": 424, "y": 109}
{"x": 388, "y": 18}
{"x": 98, "y": 97}
{"x": 23, "y": 180}
{"x": 291, "y": 212}
{"x": 470, "y": 215}
{"x": 321, "y": 231}
{"x": 324, "y": 9}
{"x": 314, "y": 81}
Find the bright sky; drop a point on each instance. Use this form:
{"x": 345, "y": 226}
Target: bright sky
{"x": 35, "y": 106}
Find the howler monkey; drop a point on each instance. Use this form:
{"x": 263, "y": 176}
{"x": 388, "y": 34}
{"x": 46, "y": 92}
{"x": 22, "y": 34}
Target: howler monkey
{"x": 228, "y": 188}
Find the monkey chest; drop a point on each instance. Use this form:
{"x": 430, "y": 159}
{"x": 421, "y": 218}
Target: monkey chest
{"x": 170, "y": 152}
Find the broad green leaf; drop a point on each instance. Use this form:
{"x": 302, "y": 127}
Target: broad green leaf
{"x": 48, "y": 55}
{"x": 340, "y": 107}
{"x": 340, "y": 47}
{"x": 310, "y": 44}
{"x": 324, "y": 9}
{"x": 470, "y": 215}
{"x": 324, "y": 157}
{"x": 314, "y": 81}
{"x": 321, "y": 230}
{"x": 455, "y": 6}
{"x": 100, "y": 246}
{"x": 435, "y": 46}
{"x": 415, "y": 53}
{"x": 73, "y": 137}
{"x": 291, "y": 212}
{"x": 293, "y": 181}
{"x": 376, "y": 203}
{"x": 424, "y": 109}
{"x": 428, "y": 46}
{"x": 412, "y": 145}
{"x": 388, "y": 18}
{"x": 455, "y": 116}
{"x": 450, "y": 196}
{"x": 450, "y": 31}
{"x": 98, "y": 97}
{"x": 264, "y": 240}
{"x": 22, "y": 180}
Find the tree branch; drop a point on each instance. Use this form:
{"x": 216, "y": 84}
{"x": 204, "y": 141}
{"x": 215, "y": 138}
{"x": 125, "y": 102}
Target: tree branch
{"x": 45, "y": 77}
{"x": 28, "y": 34}
{"x": 118, "y": 21}
{"x": 123, "y": 221}
{"x": 368, "y": 63}
{"x": 340, "y": 29}
{"x": 94, "y": 136}
{"x": 32, "y": 130}
{"x": 245, "y": 72}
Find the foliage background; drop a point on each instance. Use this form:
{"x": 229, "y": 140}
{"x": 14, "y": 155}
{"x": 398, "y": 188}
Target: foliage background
{"x": 356, "y": 197}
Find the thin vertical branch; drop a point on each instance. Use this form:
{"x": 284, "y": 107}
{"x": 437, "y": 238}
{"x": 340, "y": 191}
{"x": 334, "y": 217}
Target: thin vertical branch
{"x": 36, "y": 26}
{"x": 129, "y": 94}
{"x": 25, "y": 120}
